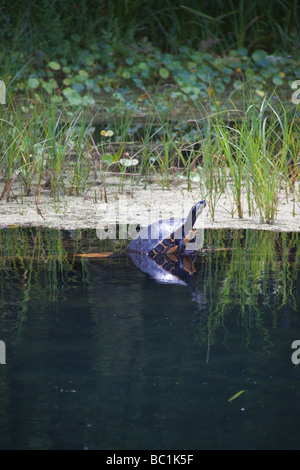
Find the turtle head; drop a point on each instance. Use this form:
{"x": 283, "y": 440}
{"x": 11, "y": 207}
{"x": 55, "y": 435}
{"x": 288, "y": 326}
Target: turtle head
{"x": 192, "y": 217}
{"x": 200, "y": 206}
{"x": 197, "y": 210}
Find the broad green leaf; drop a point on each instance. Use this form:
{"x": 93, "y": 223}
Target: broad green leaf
{"x": 72, "y": 96}
{"x": 105, "y": 133}
{"x": 258, "y": 55}
{"x": 56, "y": 99}
{"x": 143, "y": 65}
{"x": 80, "y": 77}
{"x": 33, "y": 82}
{"x": 277, "y": 80}
{"x": 90, "y": 60}
{"x": 260, "y": 93}
{"x": 126, "y": 74}
{"x": 49, "y": 85}
{"x": 54, "y": 65}
{"x": 164, "y": 73}
{"x": 128, "y": 161}
{"x": 88, "y": 100}
{"x": 67, "y": 81}
{"x": 66, "y": 69}
{"x": 79, "y": 87}
{"x": 84, "y": 73}
{"x": 107, "y": 158}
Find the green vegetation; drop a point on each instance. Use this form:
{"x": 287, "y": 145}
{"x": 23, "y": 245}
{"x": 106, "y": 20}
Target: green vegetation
{"x": 160, "y": 90}
{"x": 241, "y": 266}
{"x": 252, "y": 265}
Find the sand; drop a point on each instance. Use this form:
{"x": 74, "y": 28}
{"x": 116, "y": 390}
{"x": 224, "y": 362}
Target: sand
{"x": 141, "y": 206}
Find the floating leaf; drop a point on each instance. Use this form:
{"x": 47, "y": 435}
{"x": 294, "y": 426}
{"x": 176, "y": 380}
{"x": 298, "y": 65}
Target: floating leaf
{"x": 54, "y": 65}
{"x": 237, "y": 395}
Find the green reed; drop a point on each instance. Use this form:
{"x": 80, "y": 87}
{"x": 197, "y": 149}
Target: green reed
{"x": 252, "y": 158}
{"x": 43, "y": 145}
{"x": 267, "y": 148}
{"x": 239, "y": 270}
{"x": 259, "y": 151}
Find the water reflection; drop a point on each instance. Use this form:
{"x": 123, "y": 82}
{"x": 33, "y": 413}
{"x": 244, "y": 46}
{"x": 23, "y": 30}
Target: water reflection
{"x": 101, "y": 355}
{"x": 168, "y": 269}
{"x": 171, "y": 269}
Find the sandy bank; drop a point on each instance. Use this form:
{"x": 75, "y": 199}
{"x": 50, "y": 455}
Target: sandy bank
{"x": 140, "y": 206}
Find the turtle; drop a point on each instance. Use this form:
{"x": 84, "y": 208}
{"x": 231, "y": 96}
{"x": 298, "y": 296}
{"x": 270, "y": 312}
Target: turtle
{"x": 166, "y": 269}
{"x": 167, "y": 236}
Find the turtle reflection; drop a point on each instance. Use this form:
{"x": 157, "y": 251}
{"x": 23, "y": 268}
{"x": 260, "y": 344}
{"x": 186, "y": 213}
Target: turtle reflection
{"x": 170, "y": 269}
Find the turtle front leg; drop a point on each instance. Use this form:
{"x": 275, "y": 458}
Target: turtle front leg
{"x": 190, "y": 237}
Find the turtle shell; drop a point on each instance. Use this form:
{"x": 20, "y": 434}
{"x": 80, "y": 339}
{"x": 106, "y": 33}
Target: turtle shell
{"x": 167, "y": 235}
{"x": 157, "y": 237}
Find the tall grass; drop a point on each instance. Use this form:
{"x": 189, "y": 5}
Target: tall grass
{"x": 43, "y": 146}
{"x": 260, "y": 155}
{"x": 251, "y": 159}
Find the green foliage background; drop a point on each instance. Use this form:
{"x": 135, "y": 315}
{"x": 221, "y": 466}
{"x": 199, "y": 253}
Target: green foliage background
{"x": 49, "y": 25}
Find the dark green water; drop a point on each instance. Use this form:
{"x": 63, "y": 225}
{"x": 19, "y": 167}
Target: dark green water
{"x": 101, "y": 356}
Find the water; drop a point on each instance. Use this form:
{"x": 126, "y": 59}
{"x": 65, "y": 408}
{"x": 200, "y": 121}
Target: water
{"x": 99, "y": 355}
